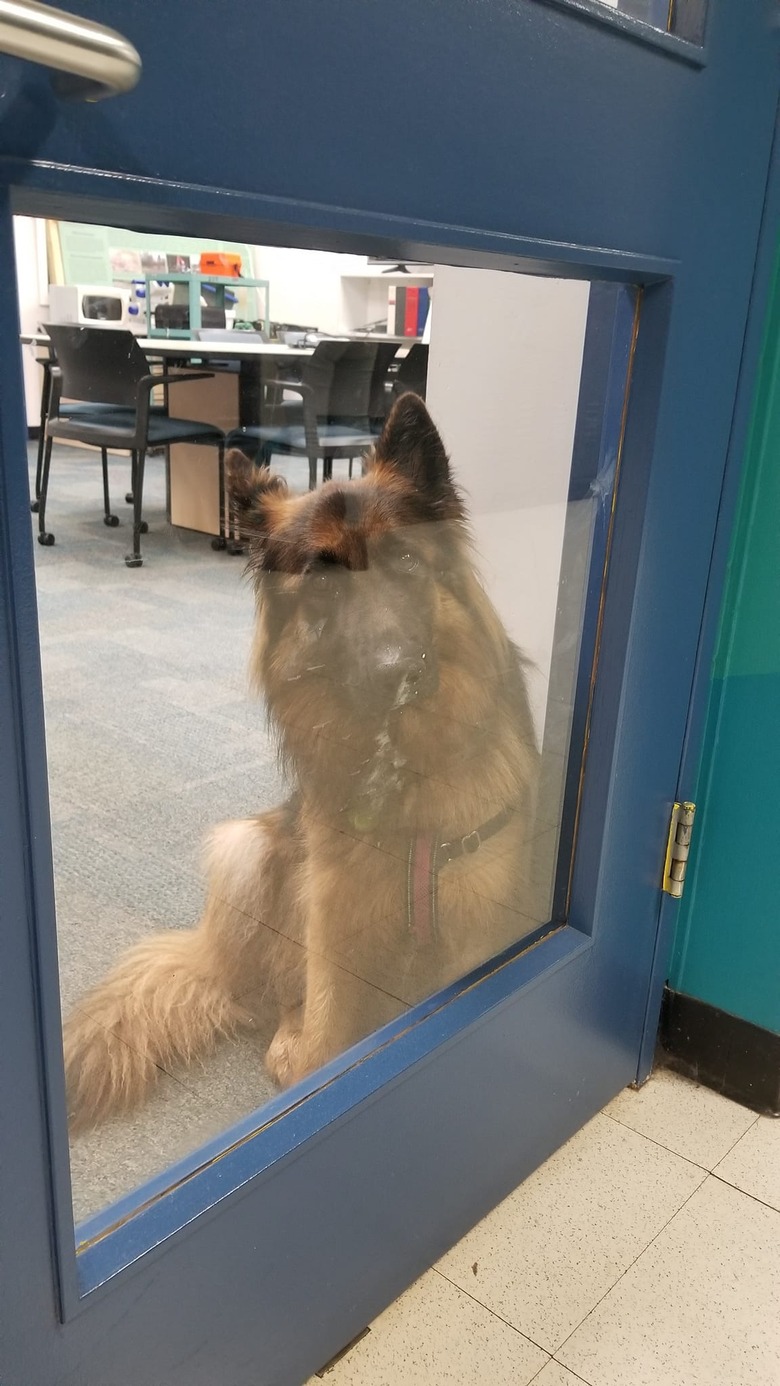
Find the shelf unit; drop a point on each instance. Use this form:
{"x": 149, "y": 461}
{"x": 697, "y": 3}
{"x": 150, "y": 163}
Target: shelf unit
{"x": 364, "y": 294}
{"x": 411, "y": 280}
{"x": 195, "y": 282}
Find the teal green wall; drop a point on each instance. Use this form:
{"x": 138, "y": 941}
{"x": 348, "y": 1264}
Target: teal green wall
{"x": 727, "y": 944}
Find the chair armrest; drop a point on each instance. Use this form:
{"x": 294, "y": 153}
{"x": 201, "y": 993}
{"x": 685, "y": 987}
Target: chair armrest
{"x": 55, "y": 392}
{"x": 148, "y": 382}
{"x": 296, "y": 386}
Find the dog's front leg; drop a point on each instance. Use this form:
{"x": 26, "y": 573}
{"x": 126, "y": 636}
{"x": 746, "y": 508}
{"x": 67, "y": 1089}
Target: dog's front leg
{"x": 352, "y": 902}
{"x": 319, "y": 1030}
{"x": 338, "y": 1000}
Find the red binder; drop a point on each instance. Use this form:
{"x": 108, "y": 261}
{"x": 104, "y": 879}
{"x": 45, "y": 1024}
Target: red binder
{"x": 412, "y": 309}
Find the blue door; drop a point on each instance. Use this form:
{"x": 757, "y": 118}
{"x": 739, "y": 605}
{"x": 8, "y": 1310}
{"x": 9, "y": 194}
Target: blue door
{"x": 572, "y": 149}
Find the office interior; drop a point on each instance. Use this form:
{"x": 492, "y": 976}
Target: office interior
{"x": 153, "y": 734}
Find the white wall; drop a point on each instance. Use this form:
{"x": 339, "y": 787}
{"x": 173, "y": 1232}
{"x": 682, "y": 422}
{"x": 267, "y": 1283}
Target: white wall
{"x": 33, "y": 289}
{"x": 314, "y": 288}
{"x": 306, "y": 285}
{"x": 503, "y": 386}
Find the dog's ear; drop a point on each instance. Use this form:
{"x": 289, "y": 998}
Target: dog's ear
{"x": 410, "y": 444}
{"x": 250, "y": 486}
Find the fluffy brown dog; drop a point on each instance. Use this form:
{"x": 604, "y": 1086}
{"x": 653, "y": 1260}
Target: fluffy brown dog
{"x": 399, "y": 862}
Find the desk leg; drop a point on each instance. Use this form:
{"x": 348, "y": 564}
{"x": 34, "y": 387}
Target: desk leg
{"x": 221, "y": 541}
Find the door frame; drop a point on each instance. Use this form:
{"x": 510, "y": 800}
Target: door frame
{"x": 698, "y": 703}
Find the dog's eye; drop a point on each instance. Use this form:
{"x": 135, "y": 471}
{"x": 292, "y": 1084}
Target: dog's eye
{"x": 406, "y": 562}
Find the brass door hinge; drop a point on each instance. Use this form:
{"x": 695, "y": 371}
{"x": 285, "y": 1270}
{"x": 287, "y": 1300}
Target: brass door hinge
{"x": 677, "y": 846}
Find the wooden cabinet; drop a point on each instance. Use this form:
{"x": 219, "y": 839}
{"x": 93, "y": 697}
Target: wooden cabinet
{"x": 194, "y": 471}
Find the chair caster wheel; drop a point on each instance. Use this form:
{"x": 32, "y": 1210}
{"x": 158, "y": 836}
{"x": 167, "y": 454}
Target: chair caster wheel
{"x": 218, "y": 544}
{"x": 129, "y": 497}
{"x": 144, "y": 527}
{"x": 236, "y": 550}
{"x": 111, "y": 520}
{"x": 132, "y": 562}
{"x": 35, "y": 507}
{"x": 46, "y": 539}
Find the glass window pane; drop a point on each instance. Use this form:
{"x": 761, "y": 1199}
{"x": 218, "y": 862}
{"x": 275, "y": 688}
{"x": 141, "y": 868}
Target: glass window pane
{"x": 380, "y": 701}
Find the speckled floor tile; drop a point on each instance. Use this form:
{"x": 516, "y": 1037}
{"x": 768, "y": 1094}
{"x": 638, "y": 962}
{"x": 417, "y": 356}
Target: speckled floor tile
{"x": 435, "y": 1335}
{"x": 556, "y": 1375}
{"x": 698, "y": 1308}
{"x": 694, "y": 1122}
{"x": 550, "y": 1251}
{"x": 754, "y": 1163}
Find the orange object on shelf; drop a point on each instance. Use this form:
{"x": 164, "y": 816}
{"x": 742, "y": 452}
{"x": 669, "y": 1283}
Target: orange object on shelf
{"x": 222, "y": 263}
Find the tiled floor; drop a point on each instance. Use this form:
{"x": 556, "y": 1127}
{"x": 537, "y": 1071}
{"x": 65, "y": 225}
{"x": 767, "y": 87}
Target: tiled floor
{"x": 646, "y": 1252}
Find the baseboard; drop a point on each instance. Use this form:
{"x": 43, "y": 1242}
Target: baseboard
{"x": 33, "y": 433}
{"x": 736, "y": 1058}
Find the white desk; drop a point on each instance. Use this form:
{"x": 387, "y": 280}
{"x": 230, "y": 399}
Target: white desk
{"x": 190, "y": 348}
{"x": 225, "y": 351}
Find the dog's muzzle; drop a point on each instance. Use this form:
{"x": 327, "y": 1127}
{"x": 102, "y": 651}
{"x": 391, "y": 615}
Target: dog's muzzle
{"x": 399, "y": 678}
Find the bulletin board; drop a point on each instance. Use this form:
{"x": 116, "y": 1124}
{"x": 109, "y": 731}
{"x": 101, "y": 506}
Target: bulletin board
{"x": 81, "y": 254}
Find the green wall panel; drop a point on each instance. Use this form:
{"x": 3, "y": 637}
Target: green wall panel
{"x": 727, "y": 944}
{"x": 86, "y": 249}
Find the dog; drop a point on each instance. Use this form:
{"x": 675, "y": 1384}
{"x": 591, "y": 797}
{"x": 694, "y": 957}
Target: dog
{"x": 399, "y": 862}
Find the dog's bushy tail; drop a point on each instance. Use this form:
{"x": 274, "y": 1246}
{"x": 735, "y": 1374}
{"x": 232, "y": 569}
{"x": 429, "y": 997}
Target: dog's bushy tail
{"x": 160, "y": 1006}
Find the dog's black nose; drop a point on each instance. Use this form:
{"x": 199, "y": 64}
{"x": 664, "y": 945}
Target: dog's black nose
{"x": 413, "y": 675}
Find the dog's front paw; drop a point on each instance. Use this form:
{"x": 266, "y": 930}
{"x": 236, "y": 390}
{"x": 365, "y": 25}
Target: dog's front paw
{"x": 282, "y": 1059}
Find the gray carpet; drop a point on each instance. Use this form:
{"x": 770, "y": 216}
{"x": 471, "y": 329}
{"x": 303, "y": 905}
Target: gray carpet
{"x": 152, "y": 737}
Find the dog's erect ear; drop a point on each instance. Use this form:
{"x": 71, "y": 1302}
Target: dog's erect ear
{"x": 249, "y": 485}
{"x": 410, "y": 444}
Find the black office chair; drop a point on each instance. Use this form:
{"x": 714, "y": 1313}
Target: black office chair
{"x": 68, "y": 409}
{"x": 342, "y": 409}
{"x": 100, "y": 366}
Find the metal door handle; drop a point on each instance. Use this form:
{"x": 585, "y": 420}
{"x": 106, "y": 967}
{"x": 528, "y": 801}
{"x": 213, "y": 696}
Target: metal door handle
{"x": 93, "y": 61}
